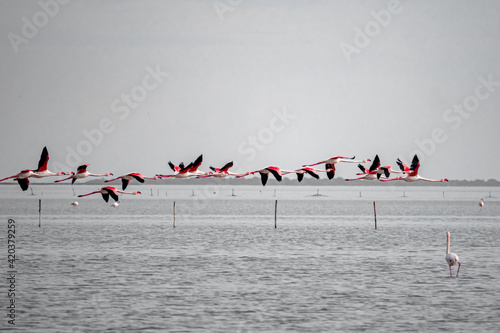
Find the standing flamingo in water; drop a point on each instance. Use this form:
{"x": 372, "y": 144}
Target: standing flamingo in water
{"x": 129, "y": 176}
{"x": 451, "y": 258}
{"x": 109, "y": 191}
{"x": 412, "y": 172}
{"x": 264, "y": 174}
{"x": 82, "y": 172}
{"x": 330, "y": 163}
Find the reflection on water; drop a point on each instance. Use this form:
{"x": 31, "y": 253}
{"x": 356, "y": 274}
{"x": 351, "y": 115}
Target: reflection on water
{"x": 224, "y": 268}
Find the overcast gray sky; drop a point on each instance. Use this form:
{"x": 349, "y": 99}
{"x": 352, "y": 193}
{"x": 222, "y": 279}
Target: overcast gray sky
{"x": 129, "y": 85}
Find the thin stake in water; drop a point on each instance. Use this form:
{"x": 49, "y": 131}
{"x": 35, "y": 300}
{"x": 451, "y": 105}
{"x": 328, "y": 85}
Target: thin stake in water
{"x": 276, "y": 214}
{"x": 39, "y": 213}
{"x": 174, "y": 214}
{"x": 375, "y": 213}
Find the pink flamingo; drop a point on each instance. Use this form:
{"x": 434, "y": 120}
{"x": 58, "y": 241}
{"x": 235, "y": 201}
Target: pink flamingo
{"x": 451, "y": 258}
{"x": 22, "y": 178}
{"x": 412, "y": 173}
{"x": 82, "y": 172}
{"x": 190, "y": 170}
{"x": 129, "y": 176}
{"x": 109, "y": 191}
{"x": 481, "y": 203}
{"x": 264, "y": 174}
{"x": 330, "y": 163}
{"x": 41, "y": 171}
{"x": 221, "y": 172}
{"x": 305, "y": 170}
{"x": 375, "y": 171}
{"x": 42, "y": 167}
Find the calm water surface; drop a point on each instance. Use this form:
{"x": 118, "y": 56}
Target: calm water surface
{"x": 225, "y": 268}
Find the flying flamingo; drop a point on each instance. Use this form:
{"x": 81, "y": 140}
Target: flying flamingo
{"x": 412, "y": 173}
{"x": 128, "y": 177}
{"x": 221, "y": 172}
{"x": 375, "y": 171}
{"x": 305, "y": 170}
{"x": 42, "y": 170}
{"x": 481, "y": 203}
{"x": 109, "y": 191}
{"x": 22, "y": 178}
{"x": 330, "y": 163}
{"x": 451, "y": 258}
{"x": 82, "y": 172}
{"x": 190, "y": 170}
{"x": 264, "y": 174}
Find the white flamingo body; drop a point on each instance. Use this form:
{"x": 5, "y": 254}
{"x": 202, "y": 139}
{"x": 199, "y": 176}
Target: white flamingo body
{"x": 451, "y": 258}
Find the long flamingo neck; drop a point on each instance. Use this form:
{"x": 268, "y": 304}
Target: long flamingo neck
{"x": 447, "y": 242}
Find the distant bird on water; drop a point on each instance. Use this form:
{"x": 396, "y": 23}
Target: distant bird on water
{"x": 481, "y": 203}
{"x": 451, "y": 258}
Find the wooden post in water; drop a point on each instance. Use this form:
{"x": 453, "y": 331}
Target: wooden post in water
{"x": 174, "y": 214}
{"x": 375, "y": 213}
{"x": 276, "y": 214}
{"x": 39, "y": 213}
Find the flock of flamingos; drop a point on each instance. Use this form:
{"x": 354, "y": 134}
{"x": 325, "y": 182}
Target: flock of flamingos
{"x": 376, "y": 171}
